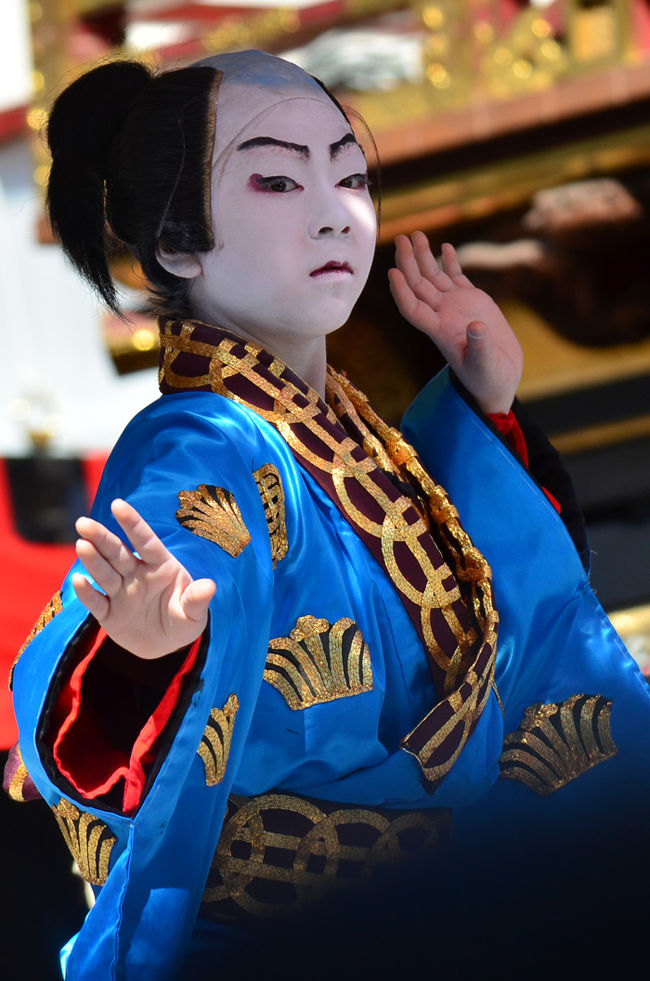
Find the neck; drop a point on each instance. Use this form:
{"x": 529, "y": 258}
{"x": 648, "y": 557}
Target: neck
{"x": 307, "y": 357}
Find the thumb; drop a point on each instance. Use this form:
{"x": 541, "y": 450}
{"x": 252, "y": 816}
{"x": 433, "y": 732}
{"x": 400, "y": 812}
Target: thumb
{"x": 196, "y": 599}
{"x": 479, "y": 354}
{"x": 480, "y": 365}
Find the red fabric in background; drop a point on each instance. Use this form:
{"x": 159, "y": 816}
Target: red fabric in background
{"x": 30, "y": 574}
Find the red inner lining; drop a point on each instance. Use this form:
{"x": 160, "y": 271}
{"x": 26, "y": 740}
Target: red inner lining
{"x": 82, "y": 750}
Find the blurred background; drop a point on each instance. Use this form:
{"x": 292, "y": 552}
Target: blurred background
{"x": 517, "y": 129}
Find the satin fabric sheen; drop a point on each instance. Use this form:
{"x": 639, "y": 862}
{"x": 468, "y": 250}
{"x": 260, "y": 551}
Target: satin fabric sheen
{"x": 554, "y": 641}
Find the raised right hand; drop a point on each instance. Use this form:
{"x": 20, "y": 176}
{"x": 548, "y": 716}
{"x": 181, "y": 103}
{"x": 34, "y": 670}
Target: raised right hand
{"x": 151, "y": 606}
{"x": 463, "y": 322}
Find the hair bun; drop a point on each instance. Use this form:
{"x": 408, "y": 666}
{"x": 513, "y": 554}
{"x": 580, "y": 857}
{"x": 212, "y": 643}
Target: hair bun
{"x": 87, "y": 117}
{"x": 83, "y": 129}
{"x": 132, "y": 164}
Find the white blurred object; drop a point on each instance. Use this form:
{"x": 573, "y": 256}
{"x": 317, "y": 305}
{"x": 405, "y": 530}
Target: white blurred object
{"x": 59, "y": 377}
{"x": 364, "y": 59}
{"x": 15, "y": 56}
{"x": 501, "y": 255}
{"x": 143, "y": 35}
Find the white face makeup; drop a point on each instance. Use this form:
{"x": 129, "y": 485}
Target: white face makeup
{"x": 293, "y": 220}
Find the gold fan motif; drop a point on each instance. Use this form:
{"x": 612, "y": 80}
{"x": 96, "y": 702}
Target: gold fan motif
{"x": 319, "y": 663}
{"x": 214, "y": 747}
{"x": 271, "y": 491}
{"x": 557, "y": 743}
{"x": 88, "y": 839}
{"x": 213, "y": 513}
{"x": 54, "y": 606}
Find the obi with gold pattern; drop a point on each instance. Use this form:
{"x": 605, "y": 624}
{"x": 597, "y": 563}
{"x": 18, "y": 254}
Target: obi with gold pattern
{"x": 280, "y": 854}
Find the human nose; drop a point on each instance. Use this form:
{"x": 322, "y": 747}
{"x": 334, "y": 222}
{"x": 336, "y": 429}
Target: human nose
{"x": 329, "y": 216}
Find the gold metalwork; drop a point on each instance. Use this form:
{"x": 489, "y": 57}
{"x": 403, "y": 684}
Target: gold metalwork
{"x": 598, "y": 33}
{"x": 319, "y": 663}
{"x": 257, "y": 29}
{"x": 212, "y": 512}
{"x": 54, "y": 606}
{"x": 557, "y": 743}
{"x": 448, "y": 53}
{"x": 269, "y": 484}
{"x": 214, "y": 747}
{"x": 89, "y": 840}
{"x": 298, "y": 849}
{"x": 478, "y": 191}
{"x": 525, "y": 58}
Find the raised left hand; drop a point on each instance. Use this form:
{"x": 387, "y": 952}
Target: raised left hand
{"x": 464, "y": 322}
{"x": 147, "y": 603}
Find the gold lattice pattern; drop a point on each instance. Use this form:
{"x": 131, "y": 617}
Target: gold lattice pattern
{"x": 279, "y": 853}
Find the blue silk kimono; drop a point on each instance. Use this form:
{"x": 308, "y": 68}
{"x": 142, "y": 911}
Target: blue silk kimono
{"x": 320, "y": 678}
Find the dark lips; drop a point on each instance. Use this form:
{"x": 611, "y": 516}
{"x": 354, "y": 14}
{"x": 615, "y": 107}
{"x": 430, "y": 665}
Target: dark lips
{"x": 332, "y": 267}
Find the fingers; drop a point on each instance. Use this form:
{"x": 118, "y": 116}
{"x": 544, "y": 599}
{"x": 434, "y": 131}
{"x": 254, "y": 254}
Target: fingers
{"x": 93, "y": 600}
{"x": 143, "y": 539}
{"x": 420, "y": 314}
{"x": 415, "y": 295}
{"x": 101, "y": 569}
{"x": 105, "y": 556}
{"x": 402, "y": 293}
{"x": 414, "y": 260}
{"x": 406, "y": 260}
{"x": 427, "y": 263}
{"x": 196, "y": 599}
{"x": 103, "y": 544}
{"x": 452, "y": 265}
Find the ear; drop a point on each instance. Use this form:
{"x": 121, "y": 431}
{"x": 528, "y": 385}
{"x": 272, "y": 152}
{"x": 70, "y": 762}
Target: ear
{"x": 186, "y": 265}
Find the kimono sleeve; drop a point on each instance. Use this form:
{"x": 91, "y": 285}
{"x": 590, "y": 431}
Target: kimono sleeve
{"x": 558, "y": 657}
{"x": 437, "y": 406}
{"x": 192, "y": 479}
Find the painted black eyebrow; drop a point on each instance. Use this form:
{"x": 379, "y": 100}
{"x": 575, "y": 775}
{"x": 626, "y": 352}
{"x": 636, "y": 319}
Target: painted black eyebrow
{"x": 298, "y": 148}
{"x": 347, "y": 140}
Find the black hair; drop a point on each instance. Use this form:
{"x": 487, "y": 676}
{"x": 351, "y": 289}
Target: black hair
{"x": 131, "y": 157}
{"x": 131, "y": 166}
